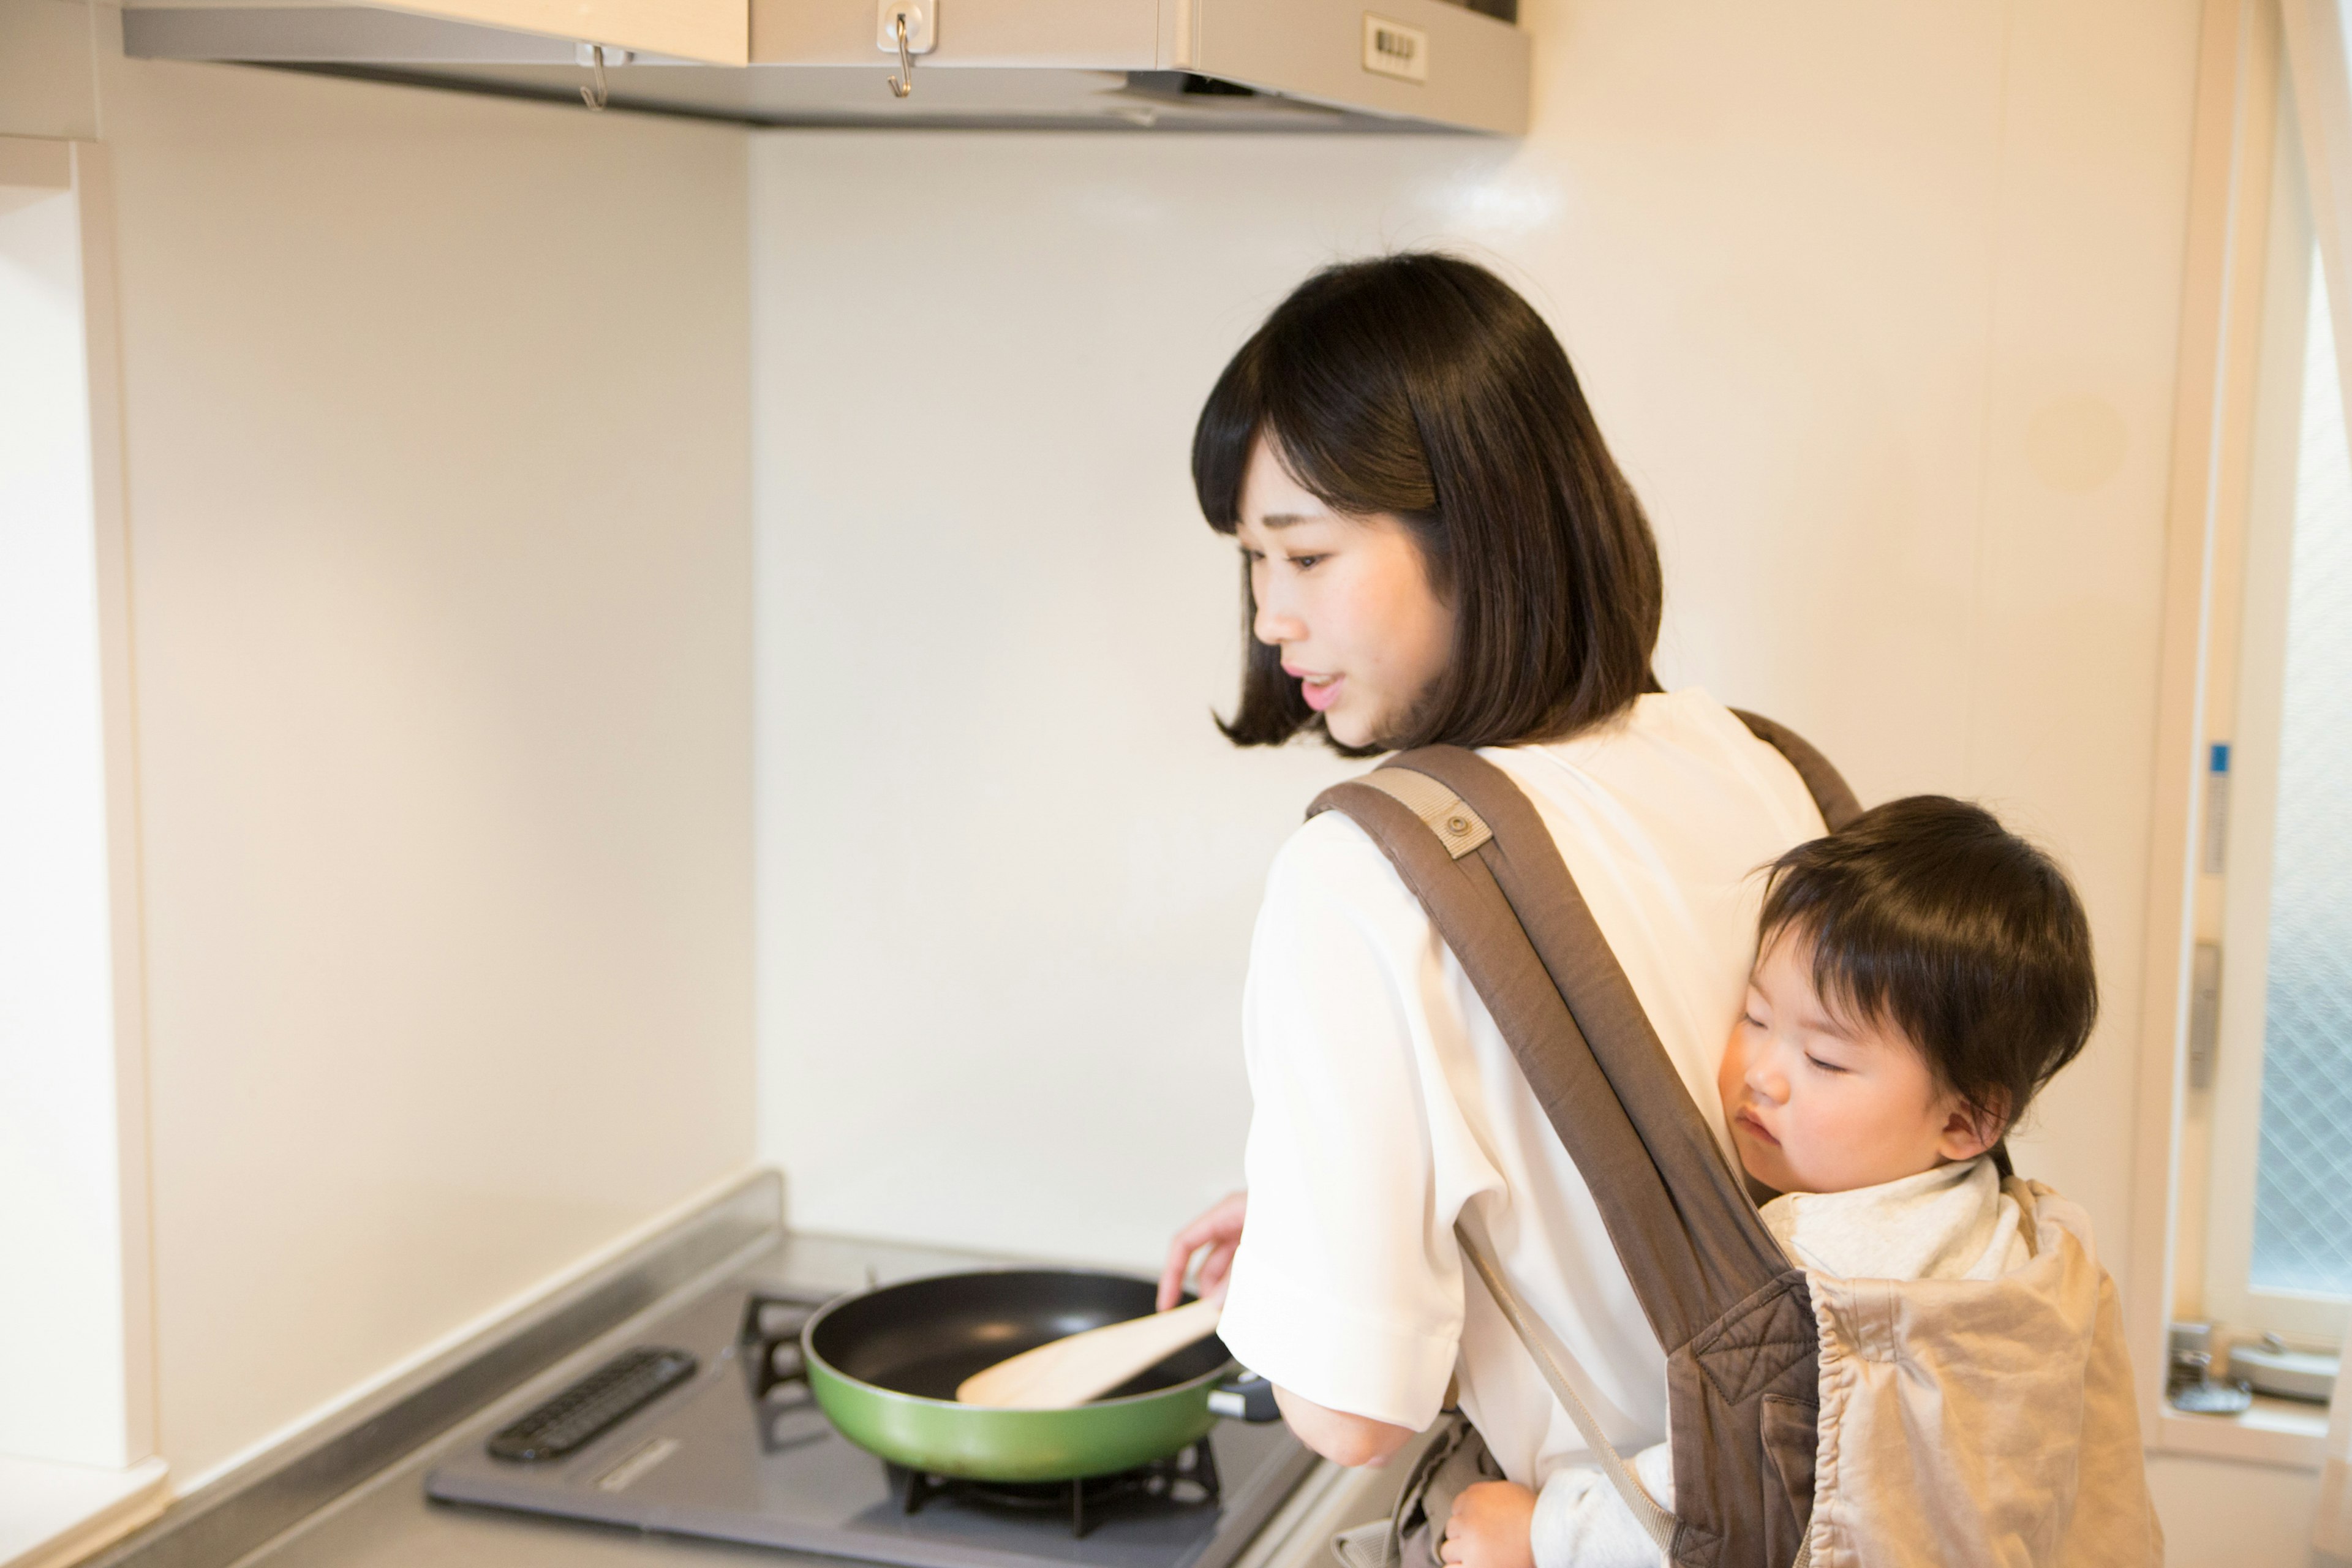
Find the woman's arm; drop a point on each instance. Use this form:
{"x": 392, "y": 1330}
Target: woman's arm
{"x": 1340, "y": 1294}
{"x": 1342, "y": 1438}
{"x": 1338, "y": 1437}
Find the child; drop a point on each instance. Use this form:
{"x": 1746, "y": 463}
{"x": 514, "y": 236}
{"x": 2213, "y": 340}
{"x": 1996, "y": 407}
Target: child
{"x": 1919, "y": 976}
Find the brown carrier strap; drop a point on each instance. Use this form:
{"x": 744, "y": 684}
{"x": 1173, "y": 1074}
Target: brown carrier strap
{"x": 1837, "y": 802}
{"x": 1732, "y": 1315}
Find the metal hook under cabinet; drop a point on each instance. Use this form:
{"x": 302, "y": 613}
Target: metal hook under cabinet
{"x": 596, "y": 97}
{"x": 903, "y": 82}
{"x": 910, "y": 27}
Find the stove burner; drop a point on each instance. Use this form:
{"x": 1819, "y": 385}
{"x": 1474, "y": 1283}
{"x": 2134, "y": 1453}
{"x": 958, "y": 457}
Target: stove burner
{"x": 1187, "y": 1479}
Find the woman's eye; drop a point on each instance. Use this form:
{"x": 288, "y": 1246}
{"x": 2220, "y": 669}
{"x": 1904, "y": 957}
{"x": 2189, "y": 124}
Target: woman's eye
{"x": 1305, "y": 563}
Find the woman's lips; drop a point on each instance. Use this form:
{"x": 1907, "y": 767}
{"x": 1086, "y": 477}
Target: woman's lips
{"x": 1746, "y": 1119}
{"x": 1320, "y": 691}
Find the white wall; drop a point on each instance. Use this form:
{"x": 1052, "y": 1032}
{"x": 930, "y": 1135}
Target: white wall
{"x": 437, "y": 493}
{"x": 1878, "y": 305}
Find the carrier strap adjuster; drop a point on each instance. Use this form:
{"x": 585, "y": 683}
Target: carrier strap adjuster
{"x": 1446, "y": 813}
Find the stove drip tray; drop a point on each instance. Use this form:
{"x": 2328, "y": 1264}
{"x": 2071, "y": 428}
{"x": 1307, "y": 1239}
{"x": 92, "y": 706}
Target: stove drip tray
{"x": 1187, "y": 1479}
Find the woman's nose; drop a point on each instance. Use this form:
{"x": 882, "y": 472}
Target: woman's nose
{"x": 1273, "y": 623}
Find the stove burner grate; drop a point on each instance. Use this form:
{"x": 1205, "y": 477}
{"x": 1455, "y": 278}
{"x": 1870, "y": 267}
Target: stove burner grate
{"x": 1188, "y": 1478}
{"x": 771, "y": 1337}
{"x": 769, "y": 1341}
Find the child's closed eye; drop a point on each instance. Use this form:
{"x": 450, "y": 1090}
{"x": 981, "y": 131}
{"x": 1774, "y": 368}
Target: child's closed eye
{"x": 1825, "y": 1067}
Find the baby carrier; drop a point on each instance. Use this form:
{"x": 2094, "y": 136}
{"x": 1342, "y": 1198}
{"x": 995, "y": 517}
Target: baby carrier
{"x": 1840, "y": 1423}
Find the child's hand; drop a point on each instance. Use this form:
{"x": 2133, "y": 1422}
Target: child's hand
{"x": 1491, "y": 1527}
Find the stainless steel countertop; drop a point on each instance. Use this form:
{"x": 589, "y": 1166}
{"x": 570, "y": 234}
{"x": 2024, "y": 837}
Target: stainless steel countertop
{"x": 381, "y": 1516}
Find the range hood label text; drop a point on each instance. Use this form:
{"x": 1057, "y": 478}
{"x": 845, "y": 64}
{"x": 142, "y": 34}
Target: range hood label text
{"x": 1392, "y": 49}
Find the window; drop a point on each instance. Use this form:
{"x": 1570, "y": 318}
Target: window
{"x": 2302, "y": 1187}
{"x": 2278, "y": 856}
{"x": 2244, "y": 1214}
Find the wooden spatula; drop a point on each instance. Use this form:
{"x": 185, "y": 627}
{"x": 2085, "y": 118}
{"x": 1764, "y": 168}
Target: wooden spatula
{"x": 1070, "y": 1370}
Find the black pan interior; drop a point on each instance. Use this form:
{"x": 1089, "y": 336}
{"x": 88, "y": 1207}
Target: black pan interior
{"x": 926, "y": 1336}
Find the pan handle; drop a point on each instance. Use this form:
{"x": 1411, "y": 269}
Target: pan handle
{"x": 1244, "y": 1396}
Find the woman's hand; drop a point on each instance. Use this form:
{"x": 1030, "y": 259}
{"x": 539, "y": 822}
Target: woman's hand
{"x": 1219, "y": 1230}
{"x": 1492, "y": 1527}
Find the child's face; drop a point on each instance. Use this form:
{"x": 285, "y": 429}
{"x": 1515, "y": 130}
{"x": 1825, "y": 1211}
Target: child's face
{"x": 1821, "y": 1104}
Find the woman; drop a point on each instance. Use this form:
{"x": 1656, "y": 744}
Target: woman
{"x": 1440, "y": 548}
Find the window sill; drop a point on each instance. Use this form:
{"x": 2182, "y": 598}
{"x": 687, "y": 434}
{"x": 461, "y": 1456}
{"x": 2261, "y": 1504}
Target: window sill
{"x": 2282, "y": 1432}
{"x": 55, "y": 1514}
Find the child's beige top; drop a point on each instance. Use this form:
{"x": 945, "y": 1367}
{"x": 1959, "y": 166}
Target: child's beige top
{"x": 1977, "y": 1407}
{"x": 1950, "y": 1223}
{"x": 1981, "y": 1421}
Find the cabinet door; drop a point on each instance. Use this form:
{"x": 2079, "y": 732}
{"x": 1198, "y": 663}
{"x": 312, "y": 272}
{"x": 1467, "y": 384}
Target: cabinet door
{"x": 717, "y": 31}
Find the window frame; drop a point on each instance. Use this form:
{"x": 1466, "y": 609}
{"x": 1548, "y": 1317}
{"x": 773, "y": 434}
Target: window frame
{"x": 2252, "y": 133}
{"x": 2246, "y": 687}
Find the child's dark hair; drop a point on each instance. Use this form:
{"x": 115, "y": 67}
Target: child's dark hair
{"x": 1927, "y": 915}
{"x": 1423, "y": 387}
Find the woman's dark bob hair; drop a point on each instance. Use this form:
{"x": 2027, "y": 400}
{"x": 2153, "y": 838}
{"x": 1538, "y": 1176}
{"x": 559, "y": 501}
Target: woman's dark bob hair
{"x": 1423, "y": 386}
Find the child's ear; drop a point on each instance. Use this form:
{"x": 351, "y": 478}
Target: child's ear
{"x": 1967, "y": 1132}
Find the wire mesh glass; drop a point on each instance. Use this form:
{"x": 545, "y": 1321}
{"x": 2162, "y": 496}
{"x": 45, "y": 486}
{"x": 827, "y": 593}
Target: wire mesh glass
{"x": 2303, "y": 1192}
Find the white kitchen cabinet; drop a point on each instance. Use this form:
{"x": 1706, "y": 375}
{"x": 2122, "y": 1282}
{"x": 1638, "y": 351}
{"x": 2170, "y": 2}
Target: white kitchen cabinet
{"x": 1265, "y": 65}
{"x": 1470, "y": 70}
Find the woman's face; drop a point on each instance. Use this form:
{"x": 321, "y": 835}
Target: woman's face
{"x": 1346, "y": 600}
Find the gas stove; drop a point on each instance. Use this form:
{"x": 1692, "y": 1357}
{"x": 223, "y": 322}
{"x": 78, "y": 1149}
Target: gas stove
{"x": 737, "y": 1451}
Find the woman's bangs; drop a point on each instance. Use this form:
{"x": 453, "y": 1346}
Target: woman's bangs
{"x": 1227, "y": 432}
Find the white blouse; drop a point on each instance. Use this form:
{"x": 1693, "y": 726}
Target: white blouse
{"x": 1386, "y": 1103}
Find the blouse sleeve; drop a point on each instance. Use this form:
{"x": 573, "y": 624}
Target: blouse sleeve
{"x": 1347, "y": 1286}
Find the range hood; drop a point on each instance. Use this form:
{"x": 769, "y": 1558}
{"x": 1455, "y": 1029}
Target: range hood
{"x": 1198, "y": 65}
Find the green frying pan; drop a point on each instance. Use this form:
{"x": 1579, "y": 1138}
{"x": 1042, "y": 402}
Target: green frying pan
{"x": 883, "y": 1366}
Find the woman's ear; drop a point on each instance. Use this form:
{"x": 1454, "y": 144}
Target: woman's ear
{"x": 1968, "y": 1130}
